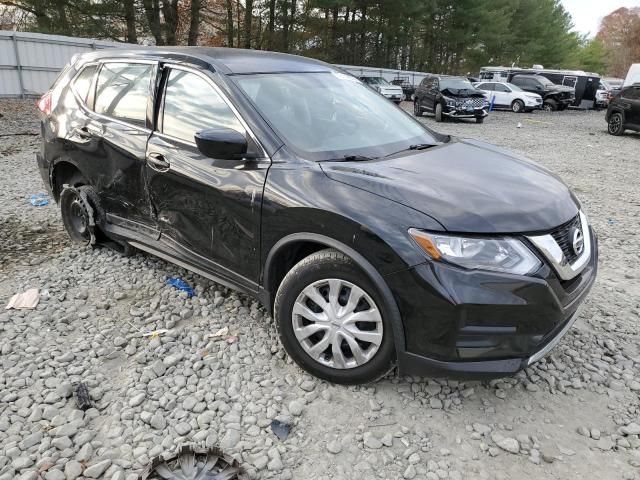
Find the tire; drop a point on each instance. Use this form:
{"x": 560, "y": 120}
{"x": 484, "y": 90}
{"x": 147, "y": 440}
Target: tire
{"x": 78, "y": 214}
{"x": 479, "y": 119}
{"x": 616, "y": 124}
{"x": 438, "y": 112}
{"x": 517, "y": 106}
{"x": 550, "y": 106}
{"x": 318, "y": 275}
{"x": 417, "y": 109}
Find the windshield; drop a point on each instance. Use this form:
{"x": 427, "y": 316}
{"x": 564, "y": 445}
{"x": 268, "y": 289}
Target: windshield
{"x": 375, "y": 81}
{"x": 544, "y": 80}
{"x": 455, "y": 84}
{"x": 514, "y": 88}
{"x": 324, "y": 116}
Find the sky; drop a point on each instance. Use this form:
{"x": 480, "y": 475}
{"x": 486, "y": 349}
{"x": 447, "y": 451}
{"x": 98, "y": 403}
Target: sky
{"x": 587, "y": 14}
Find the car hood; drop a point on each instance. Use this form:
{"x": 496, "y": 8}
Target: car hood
{"x": 467, "y": 186}
{"x": 462, "y": 92}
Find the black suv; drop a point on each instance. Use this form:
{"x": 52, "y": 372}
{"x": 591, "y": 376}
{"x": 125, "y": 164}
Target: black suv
{"x": 372, "y": 240}
{"x": 554, "y": 97}
{"x": 624, "y": 110}
{"x": 450, "y": 97}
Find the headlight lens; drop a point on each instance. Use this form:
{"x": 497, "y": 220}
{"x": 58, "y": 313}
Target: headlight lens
{"x": 451, "y": 103}
{"x": 507, "y": 255}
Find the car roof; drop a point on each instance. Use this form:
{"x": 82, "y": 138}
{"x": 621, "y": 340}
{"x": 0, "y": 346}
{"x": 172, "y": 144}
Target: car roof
{"x": 229, "y": 61}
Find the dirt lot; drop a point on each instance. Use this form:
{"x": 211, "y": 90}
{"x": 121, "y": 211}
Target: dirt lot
{"x": 575, "y": 414}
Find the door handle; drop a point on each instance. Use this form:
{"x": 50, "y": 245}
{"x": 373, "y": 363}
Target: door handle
{"x": 158, "y": 162}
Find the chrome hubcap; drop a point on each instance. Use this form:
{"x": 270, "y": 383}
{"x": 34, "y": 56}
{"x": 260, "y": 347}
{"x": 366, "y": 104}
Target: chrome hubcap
{"x": 337, "y": 323}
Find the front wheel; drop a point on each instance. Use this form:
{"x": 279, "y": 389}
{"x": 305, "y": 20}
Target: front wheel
{"x": 517, "y": 106}
{"x": 549, "y": 106}
{"x": 616, "y": 124}
{"x": 417, "y": 109}
{"x": 332, "y": 321}
{"x": 438, "y": 112}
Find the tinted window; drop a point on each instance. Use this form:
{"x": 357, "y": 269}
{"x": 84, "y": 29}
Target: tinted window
{"x": 82, "y": 83}
{"x": 122, "y": 91}
{"x": 501, "y": 88}
{"x": 486, "y": 86}
{"x": 191, "y": 105}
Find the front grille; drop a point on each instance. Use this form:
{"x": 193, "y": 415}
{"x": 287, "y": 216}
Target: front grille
{"x": 562, "y": 236}
{"x": 478, "y": 102}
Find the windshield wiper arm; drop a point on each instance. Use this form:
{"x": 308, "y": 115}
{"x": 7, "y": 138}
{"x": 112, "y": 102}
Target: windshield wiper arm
{"x": 417, "y": 146}
{"x": 351, "y": 158}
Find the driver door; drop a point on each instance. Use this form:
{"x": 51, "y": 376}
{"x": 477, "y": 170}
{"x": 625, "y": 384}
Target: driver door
{"x": 208, "y": 209}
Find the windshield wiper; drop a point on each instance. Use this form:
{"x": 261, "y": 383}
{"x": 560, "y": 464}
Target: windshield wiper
{"x": 351, "y": 158}
{"x": 417, "y": 146}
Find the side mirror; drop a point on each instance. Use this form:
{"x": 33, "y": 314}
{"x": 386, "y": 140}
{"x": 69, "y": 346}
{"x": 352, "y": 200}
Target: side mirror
{"x": 222, "y": 143}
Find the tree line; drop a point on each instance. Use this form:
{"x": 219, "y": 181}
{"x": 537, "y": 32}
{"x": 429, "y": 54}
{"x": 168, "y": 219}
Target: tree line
{"x": 443, "y": 36}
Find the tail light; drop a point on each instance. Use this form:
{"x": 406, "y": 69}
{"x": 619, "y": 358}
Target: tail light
{"x": 44, "y": 104}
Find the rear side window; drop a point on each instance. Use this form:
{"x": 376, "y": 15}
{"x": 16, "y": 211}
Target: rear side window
{"x": 122, "y": 91}
{"x": 486, "y": 86}
{"x": 82, "y": 83}
{"x": 501, "y": 88}
{"x": 191, "y": 104}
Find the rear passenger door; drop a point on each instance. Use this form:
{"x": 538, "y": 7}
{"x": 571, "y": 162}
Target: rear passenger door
{"x": 119, "y": 127}
{"x": 207, "y": 209}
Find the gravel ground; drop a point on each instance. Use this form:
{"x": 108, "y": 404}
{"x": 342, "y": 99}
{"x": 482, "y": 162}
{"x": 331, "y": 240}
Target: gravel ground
{"x": 574, "y": 414}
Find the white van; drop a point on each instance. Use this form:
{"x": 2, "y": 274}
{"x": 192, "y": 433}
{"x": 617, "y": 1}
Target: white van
{"x": 633, "y": 75}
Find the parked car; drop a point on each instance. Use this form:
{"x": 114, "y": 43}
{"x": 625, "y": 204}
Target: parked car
{"x": 554, "y": 97}
{"x": 408, "y": 89}
{"x": 624, "y": 110}
{"x": 615, "y": 84}
{"x": 508, "y": 95}
{"x": 373, "y": 240}
{"x": 603, "y": 95}
{"x": 379, "y": 84}
{"x": 450, "y": 97}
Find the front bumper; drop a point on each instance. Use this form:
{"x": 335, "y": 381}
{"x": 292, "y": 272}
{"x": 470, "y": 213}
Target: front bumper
{"x": 474, "y": 324}
{"x": 394, "y": 97}
{"x": 464, "y": 113}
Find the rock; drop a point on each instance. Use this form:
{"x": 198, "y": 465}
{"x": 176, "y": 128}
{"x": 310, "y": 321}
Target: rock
{"x": 97, "y": 469}
{"x": 137, "y": 399}
{"x": 370, "y": 441}
{"x": 595, "y": 434}
{"x": 508, "y": 444}
{"x": 584, "y": 431}
{"x": 31, "y": 440}
{"x": 296, "y": 407}
{"x": 481, "y": 428}
{"x": 171, "y": 360}
{"x": 54, "y": 474}
{"x": 21, "y": 463}
{"x": 158, "y": 421}
{"x": 605, "y": 444}
{"x": 410, "y": 472}
{"x": 230, "y": 439}
{"x": 630, "y": 429}
{"x": 435, "y": 402}
{"x": 183, "y": 428}
{"x": 334, "y": 447}
{"x": 308, "y": 385}
{"x": 72, "y": 469}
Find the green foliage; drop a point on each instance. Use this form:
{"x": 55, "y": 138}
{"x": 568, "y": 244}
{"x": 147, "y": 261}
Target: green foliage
{"x": 443, "y": 36}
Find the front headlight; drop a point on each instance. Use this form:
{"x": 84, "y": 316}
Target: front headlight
{"x": 450, "y": 103}
{"x": 507, "y": 255}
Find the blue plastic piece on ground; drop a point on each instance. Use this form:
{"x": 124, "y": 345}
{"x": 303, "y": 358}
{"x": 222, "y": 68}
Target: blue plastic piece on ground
{"x": 180, "y": 285}
{"x": 39, "y": 200}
